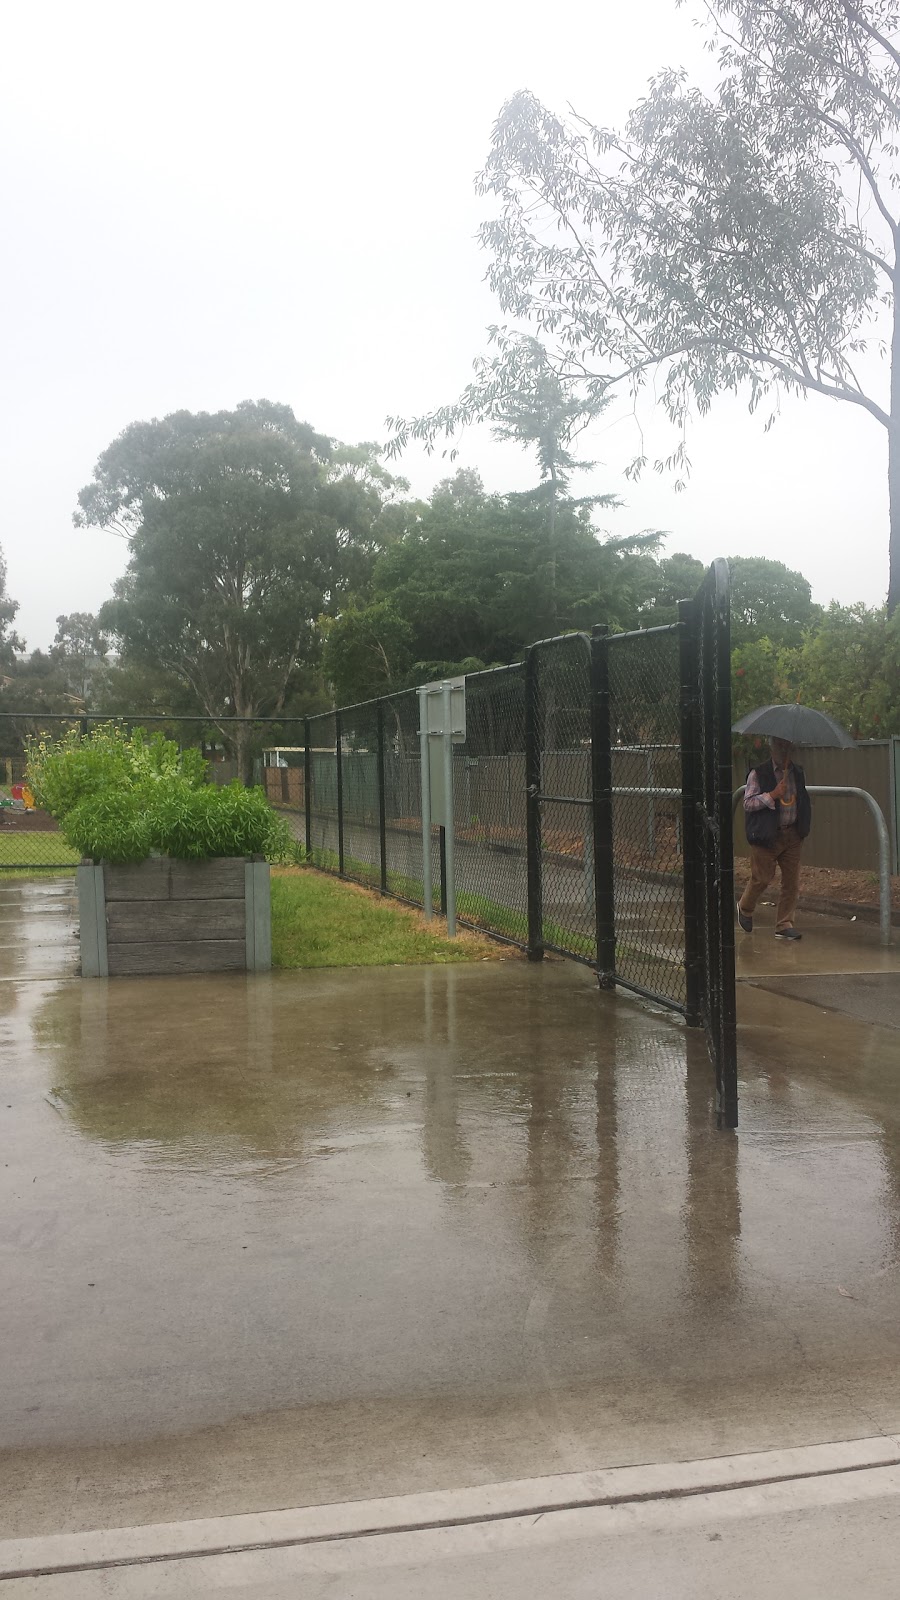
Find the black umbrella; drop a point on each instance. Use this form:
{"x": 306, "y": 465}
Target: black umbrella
{"x": 797, "y": 724}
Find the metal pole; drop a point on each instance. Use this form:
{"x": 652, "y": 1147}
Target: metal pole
{"x": 382, "y": 813}
{"x": 690, "y": 851}
{"x": 533, "y": 810}
{"x": 307, "y": 787}
{"x": 602, "y": 809}
{"x": 884, "y": 845}
{"x": 425, "y": 787}
{"x": 722, "y": 892}
{"x": 442, "y": 858}
{"x": 449, "y": 819}
{"x": 340, "y": 791}
{"x": 650, "y": 808}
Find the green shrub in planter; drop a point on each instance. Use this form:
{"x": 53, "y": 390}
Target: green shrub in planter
{"x": 66, "y": 771}
{"x": 195, "y": 824}
{"x": 175, "y": 819}
{"x": 112, "y": 826}
{"x": 119, "y": 796}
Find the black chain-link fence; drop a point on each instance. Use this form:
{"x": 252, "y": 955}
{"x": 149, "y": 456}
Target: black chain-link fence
{"x": 591, "y": 804}
{"x": 708, "y": 663}
{"x": 365, "y": 807}
{"x": 489, "y": 806}
{"x": 559, "y": 674}
{"x": 645, "y": 711}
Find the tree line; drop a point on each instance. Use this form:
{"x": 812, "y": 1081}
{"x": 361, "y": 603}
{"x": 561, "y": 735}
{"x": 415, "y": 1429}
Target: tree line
{"x": 272, "y": 571}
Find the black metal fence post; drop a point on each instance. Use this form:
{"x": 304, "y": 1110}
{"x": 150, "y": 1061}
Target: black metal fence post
{"x": 533, "y": 809}
{"x": 442, "y": 858}
{"x": 602, "y": 809}
{"x": 724, "y": 819}
{"x": 690, "y": 811}
{"x": 382, "y": 814}
{"x": 340, "y": 790}
{"x": 307, "y": 788}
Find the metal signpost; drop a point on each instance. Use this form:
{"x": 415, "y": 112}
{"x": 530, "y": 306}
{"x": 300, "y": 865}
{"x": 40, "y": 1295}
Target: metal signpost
{"x": 442, "y": 723}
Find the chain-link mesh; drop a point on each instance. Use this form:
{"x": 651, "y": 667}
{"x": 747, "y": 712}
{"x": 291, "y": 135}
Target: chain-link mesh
{"x": 489, "y": 805}
{"x": 562, "y": 721}
{"x": 359, "y": 759}
{"x": 403, "y": 803}
{"x": 645, "y": 711}
{"x": 323, "y": 793}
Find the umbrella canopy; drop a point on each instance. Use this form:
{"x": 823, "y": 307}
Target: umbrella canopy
{"x": 797, "y": 724}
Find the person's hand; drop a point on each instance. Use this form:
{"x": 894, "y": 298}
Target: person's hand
{"x": 778, "y": 792}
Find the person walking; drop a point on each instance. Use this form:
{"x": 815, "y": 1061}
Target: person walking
{"x": 777, "y": 815}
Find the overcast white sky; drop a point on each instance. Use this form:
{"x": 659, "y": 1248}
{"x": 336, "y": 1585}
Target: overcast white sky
{"x": 205, "y": 203}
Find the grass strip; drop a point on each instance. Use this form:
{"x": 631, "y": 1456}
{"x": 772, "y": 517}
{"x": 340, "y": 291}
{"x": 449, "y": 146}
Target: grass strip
{"x": 320, "y": 922}
{"x": 24, "y": 849}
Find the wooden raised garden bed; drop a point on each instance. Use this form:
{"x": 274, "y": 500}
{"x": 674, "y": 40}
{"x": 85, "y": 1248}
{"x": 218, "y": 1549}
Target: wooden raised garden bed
{"x": 162, "y": 916}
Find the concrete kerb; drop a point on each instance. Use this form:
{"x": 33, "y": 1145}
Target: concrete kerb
{"x": 454, "y": 1508}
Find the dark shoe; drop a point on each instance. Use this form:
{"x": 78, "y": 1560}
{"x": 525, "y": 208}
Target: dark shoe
{"x": 787, "y": 933}
{"x": 744, "y": 921}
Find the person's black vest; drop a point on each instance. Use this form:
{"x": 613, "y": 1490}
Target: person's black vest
{"x": 762, "y": 825}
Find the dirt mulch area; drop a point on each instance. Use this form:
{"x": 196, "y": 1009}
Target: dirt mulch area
{"x": 26, "y": 821}
{"x": 851, "y": 888}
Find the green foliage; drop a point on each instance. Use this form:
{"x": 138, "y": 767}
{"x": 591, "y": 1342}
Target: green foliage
{"x": 63, "y": 772}
{"x": 110, "y": 825}
{"x": 850, "y": 666}
{"x": 196, "y": 824}
{"x": 118, "y": 796}
{"x": 769, "y": 600}
{"x": 763, "y": 674}
{"x": 368, "y": 649}
{"x": 244, "y": 527}
{"x": 848, "y": 663}
{"x": 176, "y": 819}
{"x": 469, "y": 580}
{"x": 10, "y": 643}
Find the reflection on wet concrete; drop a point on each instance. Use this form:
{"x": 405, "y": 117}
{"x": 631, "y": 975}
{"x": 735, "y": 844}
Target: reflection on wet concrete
{"x": 38, "y": 927}
{"x": 312, "y": 1236}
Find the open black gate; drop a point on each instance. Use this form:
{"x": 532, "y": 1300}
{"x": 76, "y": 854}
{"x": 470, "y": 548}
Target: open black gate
{"x": 706, "y": 622}
{"x": 628, "y": 809}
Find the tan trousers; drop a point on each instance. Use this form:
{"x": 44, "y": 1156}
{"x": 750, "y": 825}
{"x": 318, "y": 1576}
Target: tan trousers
{"x": 785, "y": 855}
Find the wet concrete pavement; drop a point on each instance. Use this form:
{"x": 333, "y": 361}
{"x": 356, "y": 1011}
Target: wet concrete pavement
{"x": 318, "y": 1236}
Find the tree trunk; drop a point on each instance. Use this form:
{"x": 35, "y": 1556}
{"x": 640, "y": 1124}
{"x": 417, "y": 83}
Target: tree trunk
{"x": 894, "y": 465}
{"x": 551, "y": 540}
{"x": 242, "y": 739}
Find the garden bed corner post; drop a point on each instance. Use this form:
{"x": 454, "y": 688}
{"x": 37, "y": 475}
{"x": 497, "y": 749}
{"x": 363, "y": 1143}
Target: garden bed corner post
{"x": 92, "y": 920}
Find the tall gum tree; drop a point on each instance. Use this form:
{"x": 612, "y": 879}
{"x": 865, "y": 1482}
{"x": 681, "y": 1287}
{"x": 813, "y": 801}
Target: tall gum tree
{"x": 244, "y": 527}
{"x": 745, "y": 239}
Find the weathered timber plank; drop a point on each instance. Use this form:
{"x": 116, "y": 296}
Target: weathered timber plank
{"x": 148, "y": 880}
{"x": 148, "y": 921}
{"x": 92, "y": 922}
{"x": 208, "y": 880}
{"x": 192, "y": 955}
{"x": 162, "y": 879}
{"x": 258, "y": 907}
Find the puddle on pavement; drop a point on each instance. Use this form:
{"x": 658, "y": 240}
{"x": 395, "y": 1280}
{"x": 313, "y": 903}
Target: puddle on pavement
{"x": 232, "y": 1195}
